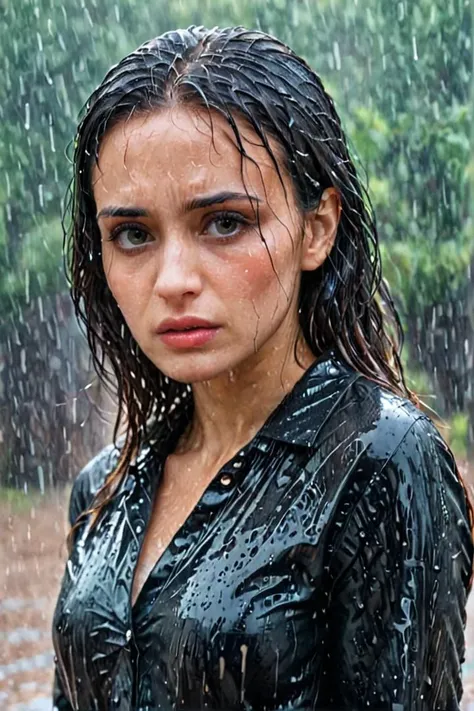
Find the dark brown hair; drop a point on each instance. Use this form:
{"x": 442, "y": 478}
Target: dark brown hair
{"x": 248, "y": 74}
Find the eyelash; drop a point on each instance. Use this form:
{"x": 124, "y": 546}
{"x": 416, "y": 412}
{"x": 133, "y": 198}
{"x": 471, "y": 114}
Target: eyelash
{"x": 123, "y": 227}
{"x": 225, "y": 214}
{"x": 229, "y": 215}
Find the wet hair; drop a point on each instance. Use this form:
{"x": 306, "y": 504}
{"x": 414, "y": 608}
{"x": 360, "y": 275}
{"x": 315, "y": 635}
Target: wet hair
{"x": 239, "y": 74}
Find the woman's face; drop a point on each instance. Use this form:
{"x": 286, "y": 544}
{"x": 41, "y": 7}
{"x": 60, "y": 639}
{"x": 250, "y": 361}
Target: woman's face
{"x": 172, "y": 195}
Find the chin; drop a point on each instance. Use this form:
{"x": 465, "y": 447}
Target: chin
{"x": 194, "y": 368}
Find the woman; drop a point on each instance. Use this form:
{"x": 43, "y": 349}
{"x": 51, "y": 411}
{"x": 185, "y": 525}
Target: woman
{"x": 281, "y": 526}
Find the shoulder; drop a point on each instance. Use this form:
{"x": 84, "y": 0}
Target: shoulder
{"x": 401, "y": 442}
{"x": 379, "y": 420}
{"x": 408, "y": 490}
{"x": 90, "y": 479}
{"x": 395, "y": 457}
{"x": 404, "y": 494}
{"x": 397, "y": 433}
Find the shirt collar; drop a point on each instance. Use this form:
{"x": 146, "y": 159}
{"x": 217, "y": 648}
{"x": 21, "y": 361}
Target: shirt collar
{"x": 297, "y": 420}
{"x": 300, "y": 416}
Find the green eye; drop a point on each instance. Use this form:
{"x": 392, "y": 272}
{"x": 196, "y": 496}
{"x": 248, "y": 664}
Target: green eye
{"x": 129, "y": 236}
{"x": 226, "y": 225}
{"x": 135, "y": 237}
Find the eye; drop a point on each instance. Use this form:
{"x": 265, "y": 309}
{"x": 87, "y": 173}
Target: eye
{"x": 226, "y": 225}
{"x": 129, "y": 237}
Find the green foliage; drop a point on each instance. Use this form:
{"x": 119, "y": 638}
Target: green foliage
{"x": 457, "y": 434}
{"x": 39, "y": 265}
{"x": 17, "y": 501}
{"x": 420, "y": 273}
{"x": 370, "y": 133}
{"x": 417, "y": 380}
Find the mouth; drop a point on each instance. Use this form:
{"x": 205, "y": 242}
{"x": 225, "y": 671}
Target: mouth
{"x": 184, "y": 330}
{"x": 188, "y": 336}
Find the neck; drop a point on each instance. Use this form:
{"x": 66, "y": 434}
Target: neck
{"x": 231, "y": 408}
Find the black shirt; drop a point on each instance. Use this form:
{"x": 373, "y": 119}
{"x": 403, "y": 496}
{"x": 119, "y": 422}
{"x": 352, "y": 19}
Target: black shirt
{"x": 326, "y": 566}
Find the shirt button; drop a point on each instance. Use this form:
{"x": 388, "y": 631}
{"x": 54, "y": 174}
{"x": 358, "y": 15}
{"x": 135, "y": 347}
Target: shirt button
{"x": 128, "y": 635}
{"x": 226, "y": 480}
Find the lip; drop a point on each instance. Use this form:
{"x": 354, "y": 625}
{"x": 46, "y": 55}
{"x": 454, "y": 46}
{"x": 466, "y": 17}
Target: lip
{"x": 172, "y": 332}
{"x": 188, "y": 339}
{"x": 180, "y": 324}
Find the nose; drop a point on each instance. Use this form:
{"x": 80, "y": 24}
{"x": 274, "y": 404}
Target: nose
{"x": 178, "y": 270}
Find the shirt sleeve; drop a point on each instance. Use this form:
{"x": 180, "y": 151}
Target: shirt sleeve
{"x": 77, "y": 504}
{"x": 396, "y": 614}
{"x": 86, "y": 484}
{"x": 60, "y": 702}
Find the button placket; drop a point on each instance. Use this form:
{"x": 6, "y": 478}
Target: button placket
{"x": 232, "y": 472}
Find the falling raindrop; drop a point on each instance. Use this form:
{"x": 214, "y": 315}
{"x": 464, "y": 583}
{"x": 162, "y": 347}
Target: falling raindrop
{"x": 401, "y": 77}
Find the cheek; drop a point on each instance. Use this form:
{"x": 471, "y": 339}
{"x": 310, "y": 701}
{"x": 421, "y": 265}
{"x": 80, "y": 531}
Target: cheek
{"x": 246, "y": 277}
{"x": 128, "y": 288}
{"x": 256, "y": 279}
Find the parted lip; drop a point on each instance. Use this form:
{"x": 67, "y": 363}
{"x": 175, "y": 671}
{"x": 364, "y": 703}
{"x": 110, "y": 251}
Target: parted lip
{"x": 180, "y": 324}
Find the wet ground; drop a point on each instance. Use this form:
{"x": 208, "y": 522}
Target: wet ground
{"x": 32, "y": 554}
{"x": 33, "y": 551}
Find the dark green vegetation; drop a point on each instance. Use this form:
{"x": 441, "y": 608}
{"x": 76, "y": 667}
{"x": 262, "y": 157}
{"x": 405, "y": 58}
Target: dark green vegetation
{"x": 400, "y": 74}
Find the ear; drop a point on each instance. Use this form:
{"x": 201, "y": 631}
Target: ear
{"x": 320, "y": 229}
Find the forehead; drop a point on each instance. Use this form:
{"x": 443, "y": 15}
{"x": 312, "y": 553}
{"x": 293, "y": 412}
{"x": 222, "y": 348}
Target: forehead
{"x": 181, "y": 148}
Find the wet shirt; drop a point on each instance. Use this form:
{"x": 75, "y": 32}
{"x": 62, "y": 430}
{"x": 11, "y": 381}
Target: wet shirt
{"x": 326, "y": 566}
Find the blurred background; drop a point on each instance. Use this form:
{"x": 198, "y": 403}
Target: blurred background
{"x": 401, "y": 75}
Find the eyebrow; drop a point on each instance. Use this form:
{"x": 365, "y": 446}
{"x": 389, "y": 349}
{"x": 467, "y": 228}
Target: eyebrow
{"x": 199, "y": 202}
{"x": 195, "y": 203}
